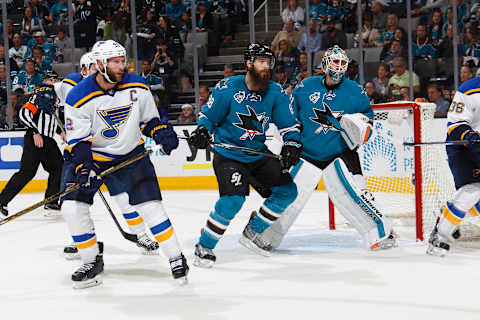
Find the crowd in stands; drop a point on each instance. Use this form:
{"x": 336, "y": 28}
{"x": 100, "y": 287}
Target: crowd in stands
{"x": 38, "y": 38}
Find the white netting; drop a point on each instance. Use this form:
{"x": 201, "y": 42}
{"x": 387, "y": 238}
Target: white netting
{"x": 388, "y": 166}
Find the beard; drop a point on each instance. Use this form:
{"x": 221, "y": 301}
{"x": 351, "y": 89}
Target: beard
{"x": 260, "y": 79}
{"x": 114, "y": 77}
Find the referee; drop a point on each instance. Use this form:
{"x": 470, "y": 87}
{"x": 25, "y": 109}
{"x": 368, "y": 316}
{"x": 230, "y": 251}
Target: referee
{"x": 39, "y": 147}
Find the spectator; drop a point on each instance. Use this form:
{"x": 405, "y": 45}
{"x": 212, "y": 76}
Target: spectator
{"x": 301, "y": 71}
{"x": 465, "y": 73}
{"x": 445, "y": 47}
{"x": 448, "y": 19}
{"x": 435, "y": 96}
{"x": 318, "y": 11}
{"x": 204, "y": 95}
{"x": 289, "y": 33}
{"x": 40, "y": 9}
{"x": 423, "y": 49}
{"x": 147, "y": 31}
{"x": 228, "y": 71}
{"x": 396, "y": 51}
{"x": 170, "y": 38}
{"x": 17, "y": 51}
{"x": 115, "y": 29}
{"x": 30, "y": 24}
{"x": 62, "y": 43}
{"x": 401, "y": 78}
{"x": 379, "y": 17}
{"x": 315, "y": 38}
{"x": 336, "y": 12}
{"x": 373, "y": 95}
{"x": 49, "y": 49}
{"x": 184, "y": 24}
{"x": 26, "y": 81}
{"x": 333, "y": 36}
{"x": 287, "y": 55}
{"x": 10, "y": 33}
{"x": 187, "y": 115}
{"x": 204, "y": 18}
{"x": 174, "y": 9}
{"x": 42, "y": 63}
{"x": 294, "y": 12}
{"x": 13, "y": 63}
{"x": 370, "y": 35}
{"x": 5, "y": 112}
{"x": 381, "y": 80}
{"x": 59, "y": 13}
{"x": 435, "y": 27}
{"x": 471, "y": 45}
{"x": 153, "y": 80}
{"x": 85, "y": 27}
{"x": 352, "y": 71}
{"x": 387, "y": 34}
{"x": 225, "y": 26}
{"x": 405, "y": 94}
{"x": 280, "y": 76}
{"x": 478, "y": 73}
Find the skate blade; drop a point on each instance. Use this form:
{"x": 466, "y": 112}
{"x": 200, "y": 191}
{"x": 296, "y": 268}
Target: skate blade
{"x": 250, "y": 245}
{"x": 71, "y": 256}
{"x": 436, "y": 251}
{"x": 51, "y": 213}
{"x": 203, "y": 263}
{"x": 384, "y": 246}
{"x": 182, "y": 281}
{"x": 149, "y": 253}
{"x": 88, "y": 283}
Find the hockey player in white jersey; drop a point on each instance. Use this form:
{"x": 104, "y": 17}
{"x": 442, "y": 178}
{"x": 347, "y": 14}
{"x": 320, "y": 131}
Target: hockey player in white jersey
{"x": 463, "y": 122}
{"x": 133, "y": 219}
{"x": 105, "y": 117}
{"x": 336, "y": 119}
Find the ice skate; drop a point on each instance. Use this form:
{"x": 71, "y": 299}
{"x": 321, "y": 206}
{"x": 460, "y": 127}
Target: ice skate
{"x": 51, "y": 209}
{"x": 255, "y": 241}
{"x": 387, "y": 243}
{"x": 147, "y": 245}
{"x": 180, "y": 269}
{"x": 89, "y": 274}
{"x": 70, "y": 252}
{"x": 204, "y": 257}
{"x": 438, "y": 245}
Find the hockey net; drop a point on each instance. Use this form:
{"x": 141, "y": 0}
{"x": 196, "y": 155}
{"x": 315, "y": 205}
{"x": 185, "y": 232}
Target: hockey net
{"x": 410, "y": 184}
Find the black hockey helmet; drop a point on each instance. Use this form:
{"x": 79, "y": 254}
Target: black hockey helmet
{"x": 256, "y": 50}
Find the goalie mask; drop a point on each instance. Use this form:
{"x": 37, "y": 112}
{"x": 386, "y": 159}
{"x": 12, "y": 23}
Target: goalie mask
{"x": 256, "y": 50}
{"x": 104, "y": 50}
{"x": 335, "y": 63}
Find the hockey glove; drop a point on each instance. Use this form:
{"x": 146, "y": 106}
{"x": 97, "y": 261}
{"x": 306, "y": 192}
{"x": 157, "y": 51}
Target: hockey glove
{"x": 200, "y": 138}
{"x": 166, "y": 137}
{"x": 86, "y": 177}
{"x": 290, "y": 154}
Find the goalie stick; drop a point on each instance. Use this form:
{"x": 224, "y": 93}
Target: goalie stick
{"x": 77, "y": 186}
{"x": 128, "y": 236}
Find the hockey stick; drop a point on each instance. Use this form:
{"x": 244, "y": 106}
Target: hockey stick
{"x": 447, "y": 143}
{"x": 77, "y": 186}
{"x": 129, "y": 236}
{"x": 245, "y": 149}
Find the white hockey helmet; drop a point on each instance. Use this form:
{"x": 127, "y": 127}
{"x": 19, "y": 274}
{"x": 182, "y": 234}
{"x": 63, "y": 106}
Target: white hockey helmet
{"x": 85, "y": 62}
{"x": 104, "y": 50}
{"x": 335, "y": 63}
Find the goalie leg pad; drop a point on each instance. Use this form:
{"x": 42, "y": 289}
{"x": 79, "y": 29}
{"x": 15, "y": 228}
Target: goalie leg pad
{"x": 306, "y": 176}
{"x": 355, "y": 206}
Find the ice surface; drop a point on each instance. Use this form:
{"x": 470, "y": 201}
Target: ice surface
{"x": 316, "y": 273}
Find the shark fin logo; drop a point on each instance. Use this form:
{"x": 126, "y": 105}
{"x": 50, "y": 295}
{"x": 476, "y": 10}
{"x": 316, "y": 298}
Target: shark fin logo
{"x": 252, "y": 123}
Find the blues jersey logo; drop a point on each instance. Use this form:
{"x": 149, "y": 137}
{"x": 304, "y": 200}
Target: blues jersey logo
{"x": 252, "y": 123}
{"x": 114, "y": 118}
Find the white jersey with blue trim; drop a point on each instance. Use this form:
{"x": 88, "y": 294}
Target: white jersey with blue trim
{"x": 465, "y": 107}
{"x": 323, "y": 142}
{"x": 110, "y": 119}
{"x": 63, "y": 87}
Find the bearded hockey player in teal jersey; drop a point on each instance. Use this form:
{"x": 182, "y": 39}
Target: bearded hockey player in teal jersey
{"x": 336, "y": 118}
{"x": 239, "y": 113}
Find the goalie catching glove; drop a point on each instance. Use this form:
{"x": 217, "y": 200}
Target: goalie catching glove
{"x": 200, "y": 138}
{"x": 290, "y": 154}
{"x": 357, "y": 128}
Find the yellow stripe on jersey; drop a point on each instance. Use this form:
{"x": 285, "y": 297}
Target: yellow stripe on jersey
{"x": 472, "y": 91}
{"x": 463, "y": 134}
{"x": 87, "y": 98}
{"x": 70, "y": 81}
{"x": 453, "y": 126}
{"x": 133, "y": 84}
{"x": 101, "y": 158}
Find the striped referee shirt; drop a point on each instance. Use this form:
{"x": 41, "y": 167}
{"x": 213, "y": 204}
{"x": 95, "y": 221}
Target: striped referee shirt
{"x": 38, "y": 120}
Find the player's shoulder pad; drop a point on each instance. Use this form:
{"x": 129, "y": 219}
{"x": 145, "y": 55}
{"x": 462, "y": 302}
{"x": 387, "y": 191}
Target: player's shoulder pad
{"x": 132, "y": 81}
{"x": 84, "y": 92}
{"x": 470, "y": 87}
{"x": 233, "y": 82}
{"x": 73, "y": 78}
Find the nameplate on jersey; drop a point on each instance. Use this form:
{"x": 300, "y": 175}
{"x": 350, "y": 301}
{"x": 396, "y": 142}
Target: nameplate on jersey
{"x": 252, "y": 123}
{"x": 114, "y": 118}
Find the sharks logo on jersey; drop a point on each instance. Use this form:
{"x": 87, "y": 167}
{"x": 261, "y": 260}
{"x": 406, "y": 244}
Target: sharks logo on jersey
{"x": 252, "y": 123}
{"x": 222, "y": 84}
{"x": 324, "y": 118}
{"x": 114, "y": 118}
{"x": 239, "y": 96}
